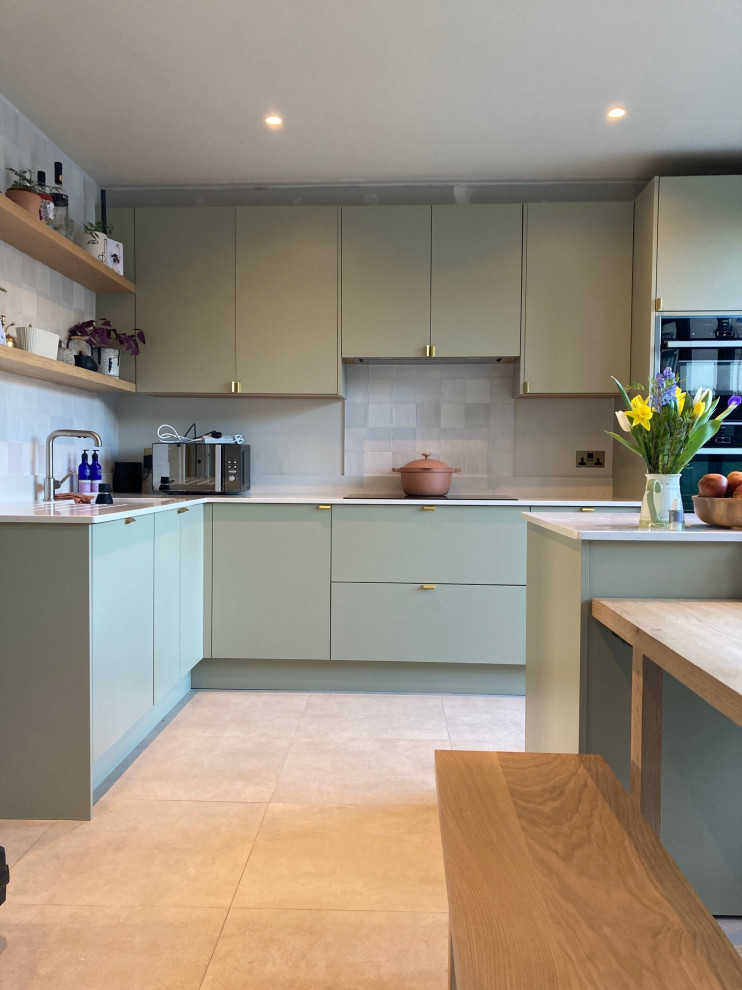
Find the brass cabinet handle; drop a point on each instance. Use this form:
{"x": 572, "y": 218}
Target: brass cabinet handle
{"x": 182, "y": 510}
{"x": 658, "y": 304}
{"x": 428, "y": 508}
{"x": 236, "y": 386}
{"x": 432, "y": 350}
{"x": 427, "y": 350}
{"x": 428, "y": 587}
{"x": 324, "y": 506}
{"x": 526, "y": 388}
{"x": 587, "y": 508}
{"x": 129, "y": 519}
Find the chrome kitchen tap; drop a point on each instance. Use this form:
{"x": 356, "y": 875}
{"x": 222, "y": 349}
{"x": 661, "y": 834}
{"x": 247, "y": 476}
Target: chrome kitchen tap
{"x": 50, "y": 485}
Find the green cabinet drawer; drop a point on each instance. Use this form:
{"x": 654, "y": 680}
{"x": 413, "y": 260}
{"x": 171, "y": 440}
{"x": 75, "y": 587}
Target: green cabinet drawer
{"x": 191, "y": 586}
{"x": 449, "y": 623}
{"x": 445, "y": 544}
{"x": 271, "y": 582}
{"x": 122, "y": 591}
{"x": 167, "y": 602}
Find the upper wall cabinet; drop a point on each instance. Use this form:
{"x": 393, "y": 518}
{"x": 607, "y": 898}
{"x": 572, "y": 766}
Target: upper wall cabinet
{"x": 385, "y": 281}
{"x": 185, "y": 260}
{"x": 699, "y": 243}
{"x": 287, "y": 300}
{"x": 476, "y": 280}
{"x": 439, "y": 282}
{"x": 577, "y": 318}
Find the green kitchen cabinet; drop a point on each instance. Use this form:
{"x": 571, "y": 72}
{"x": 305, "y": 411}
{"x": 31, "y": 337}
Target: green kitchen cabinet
{"x": 385, "y": 281}
{"x": 476, "y": 280}
{"x": 421, "y": 543}
{"x": 699, "y": 243}
{"x": 271, "y": 582}
{"x": 287, "y": 300}
{"x": 122, "y": 594}
{"x": 191, "y": 599}
{"x": 166, "y": 602}
{"x": 185, "y": 300}
{"x": 577, "y": 300}
{"x": 437, "y": 623}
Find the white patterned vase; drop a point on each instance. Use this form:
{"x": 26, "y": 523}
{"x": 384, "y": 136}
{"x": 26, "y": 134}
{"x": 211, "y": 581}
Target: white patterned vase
{"x": 660, "y": 493}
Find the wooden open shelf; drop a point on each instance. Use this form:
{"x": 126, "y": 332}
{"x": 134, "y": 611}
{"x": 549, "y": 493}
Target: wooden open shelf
{"x": 28, "y": 365}
{"x": 22, "y": 231}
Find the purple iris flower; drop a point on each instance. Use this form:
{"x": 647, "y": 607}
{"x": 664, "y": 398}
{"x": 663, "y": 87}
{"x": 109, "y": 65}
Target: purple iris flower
{"x": 735, "y": 400}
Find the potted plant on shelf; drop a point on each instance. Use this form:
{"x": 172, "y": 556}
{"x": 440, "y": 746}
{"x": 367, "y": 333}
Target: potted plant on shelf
{"x": 24, "y": 191}
{"x": 96, "y": 237}
{"x": 666, "y": 429}
{"x": 101, "y": 335}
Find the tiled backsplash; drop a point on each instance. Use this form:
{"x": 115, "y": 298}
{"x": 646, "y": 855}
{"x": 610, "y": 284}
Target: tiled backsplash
{"x": 460, "y": 413}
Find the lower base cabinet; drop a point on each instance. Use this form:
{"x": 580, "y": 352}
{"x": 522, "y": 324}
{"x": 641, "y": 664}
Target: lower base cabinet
{"x": 444, "y": 623}
{"x": 191, "y": 600}
{"x": 122, "y": 592}
{"x": 271, "y": 582}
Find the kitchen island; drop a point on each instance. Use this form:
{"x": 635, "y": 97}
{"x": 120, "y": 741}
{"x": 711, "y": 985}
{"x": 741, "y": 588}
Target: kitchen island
{"x": 578, "y": 675}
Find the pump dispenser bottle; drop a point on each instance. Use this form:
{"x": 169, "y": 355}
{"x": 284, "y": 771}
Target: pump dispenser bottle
{"x": 83, "y": 475}
{"x": 96, "y": 473}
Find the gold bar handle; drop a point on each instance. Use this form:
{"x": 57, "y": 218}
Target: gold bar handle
{"x": 324, "y": 506}
{"x": 182, "y": 510}
{"x": 129, "y": 519}
{"x": 587, "y": 508}
{"x": 432, "y": 350}
{"x": 428, "y": 508}
{"x": 236, "y": 387}
{"x": 526, "y": 388}
{"x": 428, "y": 587}
{"x": 427, "y": 350}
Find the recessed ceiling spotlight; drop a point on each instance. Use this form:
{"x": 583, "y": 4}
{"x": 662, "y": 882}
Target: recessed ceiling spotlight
{"x": 273, "y": 120}
{"x": 616, "y": 113}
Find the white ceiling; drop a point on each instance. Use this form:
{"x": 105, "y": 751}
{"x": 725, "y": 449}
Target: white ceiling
{"x": 172, "y": 92}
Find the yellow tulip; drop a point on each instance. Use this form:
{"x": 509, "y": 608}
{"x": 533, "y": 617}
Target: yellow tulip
{"x": 681, "y": 396}
{"x": 699, "y": 408}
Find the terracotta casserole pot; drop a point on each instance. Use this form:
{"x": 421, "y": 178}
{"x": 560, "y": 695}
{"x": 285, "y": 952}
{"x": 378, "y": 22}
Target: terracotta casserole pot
{"x": 426, "y": 477}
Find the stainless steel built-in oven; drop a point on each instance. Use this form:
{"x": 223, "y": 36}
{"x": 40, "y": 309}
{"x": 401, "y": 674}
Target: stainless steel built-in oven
{"x": 706, "y": 352}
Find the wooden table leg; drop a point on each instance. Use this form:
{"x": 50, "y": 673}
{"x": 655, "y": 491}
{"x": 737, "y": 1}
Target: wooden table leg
{"x": 646, "y": 737}
{"x": 451, "y": 968}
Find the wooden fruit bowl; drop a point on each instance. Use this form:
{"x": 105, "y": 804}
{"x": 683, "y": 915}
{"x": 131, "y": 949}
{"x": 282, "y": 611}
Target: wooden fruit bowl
{"x": 723, "y": 512}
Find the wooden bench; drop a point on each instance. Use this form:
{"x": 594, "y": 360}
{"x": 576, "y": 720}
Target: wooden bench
{"x": 556, "y": 882}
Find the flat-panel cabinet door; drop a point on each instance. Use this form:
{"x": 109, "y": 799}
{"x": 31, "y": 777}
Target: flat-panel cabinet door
{"x": 271, "y": 582}
{"x": 191, "y": 586}
{"x": 444, "y": 623}
{"x": 699, "y": 243}
{"x": 122, "y": 627}
{"x": 185, "y": 264}
{"x": 167, "y": 602}
{"x": 577, "y": 297}
{"x": 385, "y": 281}
{"x": 476, "y": 280}
{"x": 287, "y": 299}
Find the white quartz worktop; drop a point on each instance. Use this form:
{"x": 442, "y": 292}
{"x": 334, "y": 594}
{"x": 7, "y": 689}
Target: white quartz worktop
{"x": 132, "y": 505}
{"x": 607, "y": 526}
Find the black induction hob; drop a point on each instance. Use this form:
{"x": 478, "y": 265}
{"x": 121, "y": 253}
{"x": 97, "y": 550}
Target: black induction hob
{"x": 439, "y": 498}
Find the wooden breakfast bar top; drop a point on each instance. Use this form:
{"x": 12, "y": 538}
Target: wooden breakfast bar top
{"x": 699, "y": 643}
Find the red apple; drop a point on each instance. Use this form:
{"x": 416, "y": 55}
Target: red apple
{"x": 734, "y": 482}
{"x": 712, "y": 486}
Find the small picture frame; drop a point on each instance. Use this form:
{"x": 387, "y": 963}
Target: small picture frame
{"x": 115, "y": 255}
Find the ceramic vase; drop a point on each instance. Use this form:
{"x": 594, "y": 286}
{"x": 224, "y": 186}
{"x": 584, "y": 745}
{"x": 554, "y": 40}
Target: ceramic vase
{"x": 27, "y": 200}
{"x": 108, "y": 361}
{"x": 660, "y": 493}
{"x": 95, "y": 244}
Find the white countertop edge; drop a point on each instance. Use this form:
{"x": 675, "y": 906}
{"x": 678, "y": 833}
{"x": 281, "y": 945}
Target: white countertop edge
{"x": 625, "y": 527}
{"x": 69, "y": 513}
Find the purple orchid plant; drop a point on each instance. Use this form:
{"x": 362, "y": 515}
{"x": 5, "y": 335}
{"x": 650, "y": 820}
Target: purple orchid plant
{"x": 102, "y": 334}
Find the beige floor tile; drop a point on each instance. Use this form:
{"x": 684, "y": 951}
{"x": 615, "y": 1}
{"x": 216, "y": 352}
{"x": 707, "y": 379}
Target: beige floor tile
{"x": 330, "y": 950}
{"x": 18, "y": 836}
{"x": 173, "y": 853}
{"x": 186, "y": 764}
{"x": 90, "y": 948}
{"x": 363, "y": 771}
{"x": 496, "y": 719}
{"x": 373, "y": 716}
{"x": 346, "y": 857}
{"x": 243, "y": 712}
